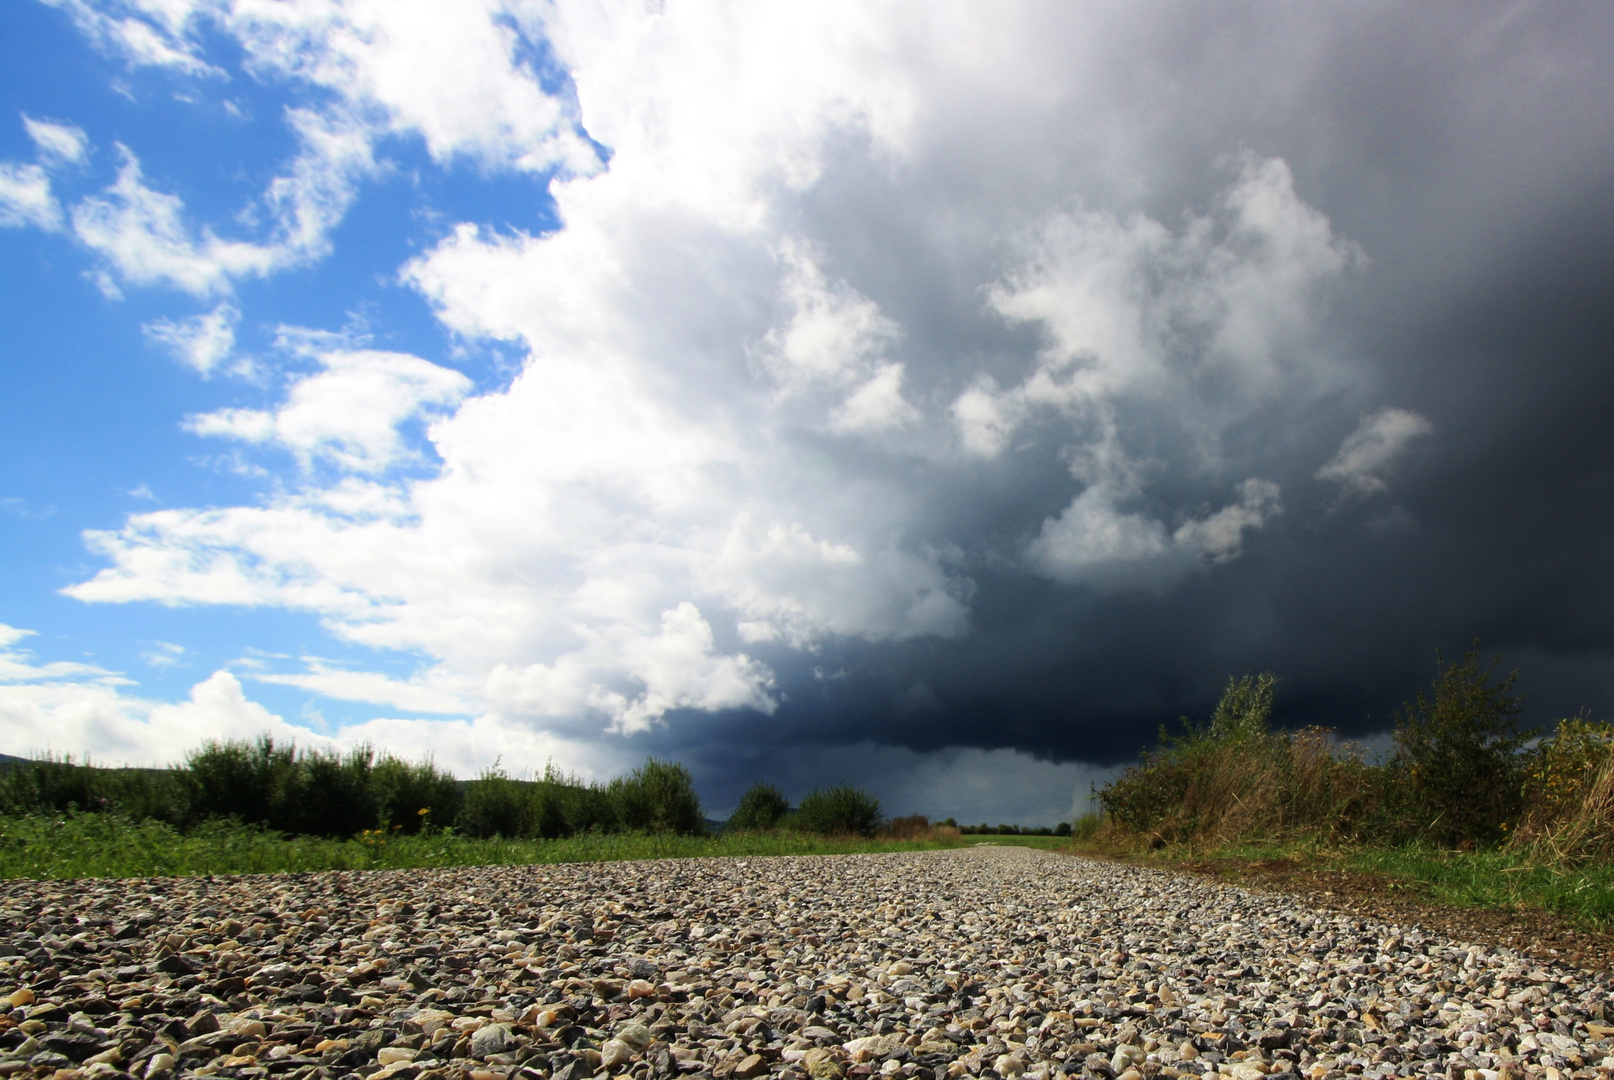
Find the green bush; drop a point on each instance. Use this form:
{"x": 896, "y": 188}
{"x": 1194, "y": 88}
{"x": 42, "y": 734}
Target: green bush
{"x": 329, "y": 794}
{"x": 839, "y": 810}
{"x": 763, "y": 806}
{"x": 247, "y": 781}
{"x": 658, "y": 797}
{"x": 1458, "y": 772}
{"x": 496, "y": 805}
{"x": 410, "y": 797}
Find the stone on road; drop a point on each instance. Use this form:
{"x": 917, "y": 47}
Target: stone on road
{"x": 994, "y": 962}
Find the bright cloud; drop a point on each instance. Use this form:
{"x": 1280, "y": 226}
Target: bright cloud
{"x": 58, "y": 143}
{"x": 1371, "y": 451}
{"x": 202, "y": 341}
{"x": 26, "y": 199}
{"x": 347, "y": 414}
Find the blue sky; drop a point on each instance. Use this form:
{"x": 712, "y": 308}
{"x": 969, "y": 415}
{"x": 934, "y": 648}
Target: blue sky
{"x": 936, "y": 400}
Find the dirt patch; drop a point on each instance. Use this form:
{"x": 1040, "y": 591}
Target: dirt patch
{"x": 1541, "y": 934}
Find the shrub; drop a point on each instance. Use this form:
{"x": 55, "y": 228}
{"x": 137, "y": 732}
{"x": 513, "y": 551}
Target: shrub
{"x": 912, "y": 827}
{"x": 1062, "y": 829}
{"x": 763, "y": 806}
{"x": 842, "y": 809}
{"x": 409, "y": 797}
{"x": 658, "y": 797}
{"x": 1569, "y": 795}
{"x": 329, "y": 793}
{"x": 496, "y": 805}
{"x": 1457, "y": 765}
{"x": 1233, "y": 779}
{"x": 246, "y": 781}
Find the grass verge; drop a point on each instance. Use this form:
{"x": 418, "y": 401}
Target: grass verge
{"x": 103, "y": 845}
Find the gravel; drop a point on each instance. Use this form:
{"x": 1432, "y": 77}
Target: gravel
{"x": 994, "y": 962}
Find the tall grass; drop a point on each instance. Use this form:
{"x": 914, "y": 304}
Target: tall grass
{"x": 1463, "y": 774}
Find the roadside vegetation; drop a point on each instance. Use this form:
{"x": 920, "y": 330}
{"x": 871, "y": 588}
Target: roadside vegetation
{"x": 261, "y": 807}
{"x": 1468, "y": 806}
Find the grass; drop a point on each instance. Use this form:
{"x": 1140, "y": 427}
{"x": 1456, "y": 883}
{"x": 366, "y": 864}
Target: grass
{"x": 104, "y": 845}
{"x": 1497, "y": 879}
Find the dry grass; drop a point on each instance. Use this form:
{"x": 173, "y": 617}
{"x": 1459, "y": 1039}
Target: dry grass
{"x": 1569, "y": 810}
{"x": 1216, "y": 792}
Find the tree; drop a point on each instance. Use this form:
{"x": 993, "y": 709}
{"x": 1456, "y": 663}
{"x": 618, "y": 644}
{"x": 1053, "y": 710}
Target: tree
{"x": 761, "y": 807}
{"x": 839, "y": 810}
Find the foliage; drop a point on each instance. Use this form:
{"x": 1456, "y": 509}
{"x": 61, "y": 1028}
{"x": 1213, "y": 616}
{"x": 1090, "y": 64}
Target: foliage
{"x": 658, "y": 797}
{"x": 839, "y": 810}
{"x": 497, "y": 806}
{"x": 763, "y": 806}
{"x": 1457, "y": 767}
{"x": 412, "y": 796}
{"x": 1244, "y": 709}
{"x": 1569, "y": 796}
{"x": 79, "y": 845}
{"x": 1233, "y": 778}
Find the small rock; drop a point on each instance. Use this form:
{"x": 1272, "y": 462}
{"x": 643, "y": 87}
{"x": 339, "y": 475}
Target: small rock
{"x": 615, "y": 1052}
{"x": 821, "y": 1064}
{"x": 389, "y": 1055}
{"x": 749, "y": 1066}
{"x": 492, "y": 1039}
{"x": 635, "y": 1035}
{"x": 21, "y": 997}
{"x": 160, "y": 1063}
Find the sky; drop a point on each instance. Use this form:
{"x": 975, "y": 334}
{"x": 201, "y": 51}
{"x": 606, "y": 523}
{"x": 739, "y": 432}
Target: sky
{"x": 934, "y": 397}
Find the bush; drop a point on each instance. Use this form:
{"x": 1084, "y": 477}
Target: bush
{"x": 658, "y": 797}
{"x": 912, "y": 827}
{"x": 1233, "y": 779}
{"x": 329, "y": 794}
{"x": 763, "y": 806}
{"x": 1062, "y": 829}
{"x": 1569, "y": 796}
{"x": 409, "y": 797}
{"x": 1457, "y": 766}
{"x": 839, "y": 810}
{"x": 246, "y": 781}
{"x": 496, "y": 805}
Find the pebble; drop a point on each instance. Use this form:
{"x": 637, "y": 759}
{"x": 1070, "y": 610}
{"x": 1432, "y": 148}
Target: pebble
{"x": 986, "y": 962}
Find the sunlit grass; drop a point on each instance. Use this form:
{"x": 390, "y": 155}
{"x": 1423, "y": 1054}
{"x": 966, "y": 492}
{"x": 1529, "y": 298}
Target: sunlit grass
{"x": 102, "y": 845}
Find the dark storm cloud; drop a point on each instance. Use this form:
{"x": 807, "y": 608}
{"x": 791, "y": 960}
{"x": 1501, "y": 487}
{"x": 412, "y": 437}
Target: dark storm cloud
{"x": 1469, "y": 153}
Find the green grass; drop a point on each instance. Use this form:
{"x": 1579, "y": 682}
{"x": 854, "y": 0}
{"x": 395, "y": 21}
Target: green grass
{"x": 100, "y": 845}
{"x": 1473, "y": 879}
{"x": 1497, "y": 880}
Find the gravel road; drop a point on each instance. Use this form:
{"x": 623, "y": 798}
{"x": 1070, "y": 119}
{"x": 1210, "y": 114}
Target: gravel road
{"x": 994, "y": 962}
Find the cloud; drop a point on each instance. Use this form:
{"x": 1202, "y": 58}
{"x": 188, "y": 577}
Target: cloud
{"x": 143, "y": 237}
{"x": 145, "y": 33}
{"x": 1371, "y": 451}
{"x": 909, "y": 346}
{"x": 1095, "y": 542}
{"x": 202, "y": 341}
{"x": 348, "y": 413}
{"x": 414, "y": 695}
{"x": 26, "y": 199}
{"x": 18, "y": 666}
{"x": 57, "y": 143}
{"x": 1202, "y": 320}
{"x": 834, "y": 334}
